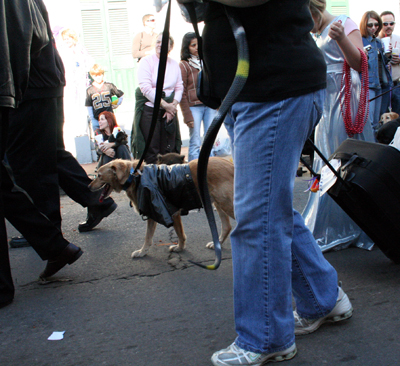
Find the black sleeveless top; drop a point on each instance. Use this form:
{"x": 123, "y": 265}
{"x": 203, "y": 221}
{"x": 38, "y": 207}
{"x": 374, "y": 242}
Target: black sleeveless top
{"x": 284, "y": 59}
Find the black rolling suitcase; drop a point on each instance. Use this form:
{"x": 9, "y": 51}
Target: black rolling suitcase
{"x": 368, "y": 190}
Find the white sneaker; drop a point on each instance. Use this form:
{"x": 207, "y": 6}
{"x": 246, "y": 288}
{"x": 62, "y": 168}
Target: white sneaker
{"x": 342, "y": 310}
{"x": 234, "y": 355}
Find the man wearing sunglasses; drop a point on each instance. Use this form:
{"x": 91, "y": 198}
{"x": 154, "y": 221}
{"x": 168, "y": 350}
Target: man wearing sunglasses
{"x": 389, "y": 23}
{"x": 144, "y": 42}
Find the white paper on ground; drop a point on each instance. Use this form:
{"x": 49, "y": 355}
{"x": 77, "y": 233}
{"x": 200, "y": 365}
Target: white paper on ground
{"x": 56, "y": 336}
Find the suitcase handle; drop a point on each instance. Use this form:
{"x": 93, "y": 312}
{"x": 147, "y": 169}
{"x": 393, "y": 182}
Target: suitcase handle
{"x": 328, "y": 164}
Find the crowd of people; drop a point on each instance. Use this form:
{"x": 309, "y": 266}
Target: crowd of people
{"x": 277, "y": 252}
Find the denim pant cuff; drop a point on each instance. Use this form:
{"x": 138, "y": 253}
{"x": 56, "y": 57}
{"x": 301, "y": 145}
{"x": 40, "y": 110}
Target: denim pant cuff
{"x": 264, "y": 351}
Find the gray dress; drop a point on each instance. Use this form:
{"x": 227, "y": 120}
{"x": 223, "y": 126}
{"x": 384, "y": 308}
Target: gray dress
{"x": 330, "y": 225}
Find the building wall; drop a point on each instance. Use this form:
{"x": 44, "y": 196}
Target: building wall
{"x": 68, "y": 14}
{"x": 358, "y": 7}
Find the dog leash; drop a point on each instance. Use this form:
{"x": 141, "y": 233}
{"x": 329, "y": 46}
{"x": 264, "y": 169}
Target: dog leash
{"x": 327, "y": 163}
{"x": 159, "y": 88}
{"x": 238, "y": 83}
{"x": 387, "y": 91}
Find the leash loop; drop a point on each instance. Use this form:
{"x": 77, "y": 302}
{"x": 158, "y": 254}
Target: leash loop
{"x": 238, "y": 83}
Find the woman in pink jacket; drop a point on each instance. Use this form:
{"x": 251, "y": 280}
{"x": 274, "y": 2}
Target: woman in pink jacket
{"x": 166, "y": 137}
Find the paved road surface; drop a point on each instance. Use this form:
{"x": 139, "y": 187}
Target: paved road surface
{"x": 163, "y": 311}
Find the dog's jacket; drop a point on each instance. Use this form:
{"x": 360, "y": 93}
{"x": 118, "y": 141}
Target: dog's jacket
{"x": 163, "y": 190}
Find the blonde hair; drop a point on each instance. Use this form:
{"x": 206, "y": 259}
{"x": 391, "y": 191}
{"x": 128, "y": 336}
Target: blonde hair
{"x": 171, "y": 40}
{"x": 70, "y": 33}
{"x": 96, "y": 70}
{"x": 317, "y": 7}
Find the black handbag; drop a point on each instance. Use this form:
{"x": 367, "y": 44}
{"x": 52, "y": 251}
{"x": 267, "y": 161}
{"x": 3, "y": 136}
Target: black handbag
{"x": 170, "y": 126}
{"x": 203, "y": 90}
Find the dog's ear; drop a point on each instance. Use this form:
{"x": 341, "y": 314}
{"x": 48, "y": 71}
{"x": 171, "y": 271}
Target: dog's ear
{"x": 120, "y": 170}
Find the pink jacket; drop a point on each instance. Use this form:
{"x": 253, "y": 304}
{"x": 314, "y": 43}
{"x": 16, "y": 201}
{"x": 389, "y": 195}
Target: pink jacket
{"x": 147, "y": 78}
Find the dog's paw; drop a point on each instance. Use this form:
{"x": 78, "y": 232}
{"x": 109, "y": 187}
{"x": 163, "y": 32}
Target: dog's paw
{"x": 210, "y": 245}
{"x": 174, "y": 248}
{"x": 138, "y": 253}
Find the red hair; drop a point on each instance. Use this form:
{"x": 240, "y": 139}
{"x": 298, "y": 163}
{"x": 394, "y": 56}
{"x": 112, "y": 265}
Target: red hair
{"x": 110, "y": 117}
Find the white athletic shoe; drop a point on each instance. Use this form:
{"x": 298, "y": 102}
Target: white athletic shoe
{"x": 234, "y": 355}
{"x": 342, "y": 311}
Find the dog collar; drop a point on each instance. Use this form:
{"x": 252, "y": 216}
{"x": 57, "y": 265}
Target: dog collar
{"x": 129, "y": 181}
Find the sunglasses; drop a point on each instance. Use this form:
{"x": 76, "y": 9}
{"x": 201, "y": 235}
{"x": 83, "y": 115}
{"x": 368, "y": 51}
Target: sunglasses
{"x": 389, "y": 23}
{"x": 370, "y": 25}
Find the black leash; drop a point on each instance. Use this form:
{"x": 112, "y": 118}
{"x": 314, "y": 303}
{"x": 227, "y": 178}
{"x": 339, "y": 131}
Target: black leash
{"x": 388, "y": 91}
{"x": 309, "y": 167}
{"x": 327, "y": 163}
{"x": 236, "y": 87}
{"x": 159, "y": 86}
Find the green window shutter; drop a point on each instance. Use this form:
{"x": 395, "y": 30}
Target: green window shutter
{"x": 337, "y": 7}
{"x": 119, "y": 32}
{"x": 93, "y": 33}
{"x": 120, "y": 43}
{"x": 94, "y": 30}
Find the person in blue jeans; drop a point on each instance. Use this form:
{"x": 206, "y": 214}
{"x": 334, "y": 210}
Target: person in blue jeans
{"x": 193, "y": 110}
{"x": 378, "y": 72}
{"x": 392, "y": 99}
{"x": 274, "y": 254}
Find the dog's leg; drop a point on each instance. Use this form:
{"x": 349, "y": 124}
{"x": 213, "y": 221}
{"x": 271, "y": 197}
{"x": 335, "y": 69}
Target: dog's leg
{"x": 225, "y": 227}
{"x": 151, "y": 228}
{"x": 181, "y": 234}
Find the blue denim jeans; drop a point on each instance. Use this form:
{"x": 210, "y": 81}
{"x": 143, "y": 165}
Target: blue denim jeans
{"x": 199, "y": 113}
{"x": 375, "y": 108}
{"x": 274, "y": 254}
{"x": 385, "y": 100}
{"x": 229, "y": 123}
{"x": 396, "y": 100}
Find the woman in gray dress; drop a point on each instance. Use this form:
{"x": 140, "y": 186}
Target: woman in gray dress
{"x": 339, "y": 39}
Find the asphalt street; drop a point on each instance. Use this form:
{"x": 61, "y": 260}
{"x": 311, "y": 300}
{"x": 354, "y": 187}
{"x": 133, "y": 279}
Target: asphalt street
{"x": 163, "y": 311}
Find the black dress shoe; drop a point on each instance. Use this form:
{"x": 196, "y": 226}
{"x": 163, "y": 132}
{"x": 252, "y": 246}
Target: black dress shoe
{"x": 68, "y": 256}
{"x": 5, "y": 303}
{"x": 95, "y": 215}
{"x": 18, "y": 242}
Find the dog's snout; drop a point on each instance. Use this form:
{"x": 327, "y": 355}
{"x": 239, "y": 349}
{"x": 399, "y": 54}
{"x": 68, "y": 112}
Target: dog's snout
{"x": 95, "y": 184}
